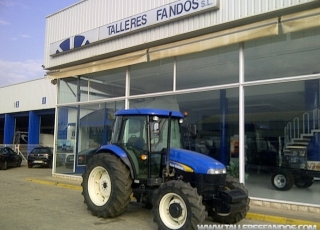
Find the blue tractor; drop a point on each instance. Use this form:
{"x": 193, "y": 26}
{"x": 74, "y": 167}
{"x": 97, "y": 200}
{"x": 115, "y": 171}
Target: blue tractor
{"x": 145, "y": 160}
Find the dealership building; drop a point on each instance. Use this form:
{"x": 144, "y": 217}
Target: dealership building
{"x": 246, "y": 72}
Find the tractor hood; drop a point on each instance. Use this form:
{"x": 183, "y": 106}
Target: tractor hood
{"x": 182, "y": 159}
{"x": 199, "y": 163}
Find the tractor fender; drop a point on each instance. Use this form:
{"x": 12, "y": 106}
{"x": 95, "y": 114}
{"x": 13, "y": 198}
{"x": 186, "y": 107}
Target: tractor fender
{"x": 119, "y": 152}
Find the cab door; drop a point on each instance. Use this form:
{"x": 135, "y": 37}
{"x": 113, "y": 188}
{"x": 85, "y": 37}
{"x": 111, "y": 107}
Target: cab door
{"x": 134, "y": 141}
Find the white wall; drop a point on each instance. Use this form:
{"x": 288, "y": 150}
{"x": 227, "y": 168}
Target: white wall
{"x": 29, "y": 95}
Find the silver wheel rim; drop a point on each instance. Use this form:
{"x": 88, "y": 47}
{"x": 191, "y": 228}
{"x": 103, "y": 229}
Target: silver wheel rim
{"x": 168, "y": 220}
{"x": 99, "y": 186}
{"x": 280, "y": 181}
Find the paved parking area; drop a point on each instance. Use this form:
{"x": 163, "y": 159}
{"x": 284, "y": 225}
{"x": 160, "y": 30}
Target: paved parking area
{"x": 27, "y": 202}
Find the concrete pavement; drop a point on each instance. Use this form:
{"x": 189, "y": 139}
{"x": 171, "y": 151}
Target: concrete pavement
{"x": 257, "y": 212}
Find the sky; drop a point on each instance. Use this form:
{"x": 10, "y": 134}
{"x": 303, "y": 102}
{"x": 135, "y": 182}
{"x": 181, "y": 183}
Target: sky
{"x": 22, "y": 34}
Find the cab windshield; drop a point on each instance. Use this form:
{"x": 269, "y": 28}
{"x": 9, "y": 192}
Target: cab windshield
{"x": 146, "y": 133}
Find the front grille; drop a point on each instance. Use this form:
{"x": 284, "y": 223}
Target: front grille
{"x": 210, "y": 183}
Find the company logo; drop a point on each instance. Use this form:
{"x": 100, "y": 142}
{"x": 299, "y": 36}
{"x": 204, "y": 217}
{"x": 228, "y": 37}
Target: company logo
{"x": 74, "y": 42}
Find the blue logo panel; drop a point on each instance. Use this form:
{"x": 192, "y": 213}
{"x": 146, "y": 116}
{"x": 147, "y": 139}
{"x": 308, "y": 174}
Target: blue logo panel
{"x": 65, "y": 45}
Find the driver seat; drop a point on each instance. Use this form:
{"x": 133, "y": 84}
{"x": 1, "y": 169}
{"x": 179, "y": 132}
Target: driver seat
{"x": 137, "y": 142}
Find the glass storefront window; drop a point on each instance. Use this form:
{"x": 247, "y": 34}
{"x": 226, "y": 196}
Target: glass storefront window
{"x": 286, "y": 55}
{"x": 211, "y": 123}
{"x": 151, "y": 77}
{"x": 94, "y": 86}
{"x": 84, "y": 84}
{"x": 107, "y": 84}
{"x": 66, "y": 138}
{"x": 282, "y": 133}
{"x": 96, "y": 121}
{"x": 68, "y": 90}
{"x": 208, "y": 68}
{"x": 93, "y": 130}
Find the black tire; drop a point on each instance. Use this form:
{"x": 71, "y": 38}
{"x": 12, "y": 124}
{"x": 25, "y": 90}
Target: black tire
{"x": 19, "y": 163}
{"x": 29, "y": 166}
{"x": 231, "y": 183}
{"x": 174, "y": 200}
{"x": 106, "y": 185}
{"x": 303, "y": 181}
{"x": 282, "y": 180}
{"x": 5, "y": 165}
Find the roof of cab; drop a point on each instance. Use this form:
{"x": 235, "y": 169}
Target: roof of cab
{"x": 148, "y": 111}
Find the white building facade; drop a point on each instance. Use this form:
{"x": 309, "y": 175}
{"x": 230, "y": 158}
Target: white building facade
{"x": 27, "y": 111}
{"x": 247, "y": 73}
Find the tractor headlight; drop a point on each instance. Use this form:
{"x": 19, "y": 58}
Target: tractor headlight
{"x": 217, "y": 171}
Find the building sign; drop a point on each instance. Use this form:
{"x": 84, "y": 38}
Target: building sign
{"x": 164, "y": 14}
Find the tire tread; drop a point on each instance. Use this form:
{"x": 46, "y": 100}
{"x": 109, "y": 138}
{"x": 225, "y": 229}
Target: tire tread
{"x": 121, "y": 184}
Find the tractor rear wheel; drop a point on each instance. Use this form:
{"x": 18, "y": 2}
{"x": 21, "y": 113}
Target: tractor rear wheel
{"x": 106, "y": 185}
{"x": 177, "y": 205}
{"x": 232, "y": 218}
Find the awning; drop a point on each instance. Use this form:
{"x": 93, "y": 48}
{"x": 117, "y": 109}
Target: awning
{"x": 215, "y": 40}
{"x": 101, "y": 65}
{"x": 301, "y": 21}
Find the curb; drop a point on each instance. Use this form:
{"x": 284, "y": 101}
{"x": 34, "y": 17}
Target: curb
{"x": 249, "y": 216}
{"x": 58, "y": 184}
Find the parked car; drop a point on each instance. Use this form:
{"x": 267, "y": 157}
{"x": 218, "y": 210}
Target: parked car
{"x": 83, "y": 157}
{"x": 9, "y": 158}
{"x": 43, "y": 156}
{"x": 69, "y": 161}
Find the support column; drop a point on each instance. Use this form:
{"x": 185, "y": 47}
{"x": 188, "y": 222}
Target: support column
{"x": 9, "y": 126}
{"x": 224, "y": 143}
{"x": 242, "y": 150}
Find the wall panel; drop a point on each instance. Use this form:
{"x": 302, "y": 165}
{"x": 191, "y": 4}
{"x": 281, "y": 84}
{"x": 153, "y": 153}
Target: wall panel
{"x": 90, "y": 14}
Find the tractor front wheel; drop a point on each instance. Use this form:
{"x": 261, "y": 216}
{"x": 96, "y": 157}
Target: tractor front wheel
{"x": 177, "y": 205}
{"x": 106, "y": 185}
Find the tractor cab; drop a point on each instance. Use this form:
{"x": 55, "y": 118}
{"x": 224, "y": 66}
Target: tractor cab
{"x": 145, "y": 139}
